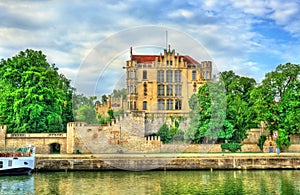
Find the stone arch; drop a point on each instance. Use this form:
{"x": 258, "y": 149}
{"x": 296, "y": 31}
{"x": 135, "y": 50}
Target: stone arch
{"x": 55, "y": 148}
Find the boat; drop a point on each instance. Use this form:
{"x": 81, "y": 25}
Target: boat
{"x": 19, "y": 162}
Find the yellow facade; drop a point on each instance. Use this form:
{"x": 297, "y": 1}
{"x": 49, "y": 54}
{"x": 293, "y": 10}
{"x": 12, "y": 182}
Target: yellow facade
{"x": 164, "y": 83}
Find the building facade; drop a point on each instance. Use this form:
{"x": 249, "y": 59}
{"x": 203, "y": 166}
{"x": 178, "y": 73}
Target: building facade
{"x": 164, "y": 83}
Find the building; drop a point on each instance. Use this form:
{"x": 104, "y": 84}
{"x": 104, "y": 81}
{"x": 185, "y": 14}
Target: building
{"x": 164, "y": 83}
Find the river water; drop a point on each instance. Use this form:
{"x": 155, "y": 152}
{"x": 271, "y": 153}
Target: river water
{"x": 155, "y": 182}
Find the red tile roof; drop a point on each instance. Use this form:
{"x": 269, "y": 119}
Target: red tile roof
{"x": 144, "y": 58}
{"x": 151, "y": 58}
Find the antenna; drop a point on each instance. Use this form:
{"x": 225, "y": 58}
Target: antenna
{"x": 166, "y": 39}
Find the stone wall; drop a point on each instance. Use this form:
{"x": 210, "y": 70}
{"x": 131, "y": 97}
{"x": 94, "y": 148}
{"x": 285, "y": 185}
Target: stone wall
{"x": 41, "y": 141}
{"x": 203, "y": 148}
{"x": 139, "y": 162}
{"x": 128, "y": 133}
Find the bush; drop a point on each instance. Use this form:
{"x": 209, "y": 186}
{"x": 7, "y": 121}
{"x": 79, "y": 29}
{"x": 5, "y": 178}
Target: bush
{"x": 232, "y": 147}
{"x": 261, "y": 142}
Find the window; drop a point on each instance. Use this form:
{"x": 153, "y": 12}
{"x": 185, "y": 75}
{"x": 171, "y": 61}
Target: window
{"x": 161, "y": 104}
{"x": 171, "y": 62}
{"x": 10, "y": 163}
{"x": 160, "y": 76}
{"x": 169, "y": 76}
{"x": 144, "y": 105}
{"x": 194, "y": 75}
{"x": 169, "y": 90}
{"x": 134, "y": 105}
{"x": 177, "y": 76}
{"x": 132, "y": 89}
{"x": 178, "y": 90}
{"x": 169, "y": 104}
{"x": 1, "y": 164}
{"x": 145, "y": 74}
{"x": 178, "y": 104}
{"x": 132, "y": 75}
{"x": 145, "y": 89}
{"x": 161, "y": 90}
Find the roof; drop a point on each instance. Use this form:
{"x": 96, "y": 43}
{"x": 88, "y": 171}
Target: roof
{"x": 144, "y": 58}
{"x": 151, "y": 58}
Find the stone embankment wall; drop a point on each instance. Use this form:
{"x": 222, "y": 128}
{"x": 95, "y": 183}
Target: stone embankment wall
{"x": 167, "y": 162}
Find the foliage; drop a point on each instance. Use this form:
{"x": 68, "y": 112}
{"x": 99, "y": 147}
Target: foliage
{"x": 171, "y": 134}
{"x": 283, "y": 139}
{"x": 277, "y": 103}
{"x": 261, "y": 142}
{"x": 221, "y": 110}
{"x": 239, "y": 112}
{"x": 118, "y": 113}
{"x": 84, "y": 108}
{"x": 34, "y": 96}
{"x": 102, "y": 119}
{"x": 110, "y": 113}
{"x": 164, "y": 133}
{"x": 232, "y": 147}
{"x": 104, "y": 99}
{"x": 120, "y": 93}
{"x": 207, "y": 113}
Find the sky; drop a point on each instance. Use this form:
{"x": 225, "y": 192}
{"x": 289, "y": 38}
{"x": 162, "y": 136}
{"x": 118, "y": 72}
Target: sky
{"x": 89, "y": 41}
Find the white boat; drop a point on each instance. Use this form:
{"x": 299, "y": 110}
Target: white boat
{"x": 20, "y": 162}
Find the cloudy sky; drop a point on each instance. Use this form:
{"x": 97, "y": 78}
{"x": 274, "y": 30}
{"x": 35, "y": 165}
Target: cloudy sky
{"x": 89, "y": 40}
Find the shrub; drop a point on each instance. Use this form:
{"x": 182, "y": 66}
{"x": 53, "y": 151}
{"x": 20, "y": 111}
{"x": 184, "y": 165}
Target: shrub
{"x": 261, "y": 142}
{"x": 232, "y": 147}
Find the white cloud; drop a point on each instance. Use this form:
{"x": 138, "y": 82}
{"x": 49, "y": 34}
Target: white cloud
{"x": 181, "y": 13}
{"x": 68, "y": 32}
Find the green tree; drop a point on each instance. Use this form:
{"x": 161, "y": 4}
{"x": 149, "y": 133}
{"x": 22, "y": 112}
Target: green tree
{"x": 84, "y": 108}
{"x": 240, "y": 112}
{"x": 277, "y": 103}
{"x": 208, "y": 112}
{"x": 171, "y": 133}
{"x": 120, "y": 93}
{"x": 34, "y": 96}
{"x": 222, "y": 110}
{"x": 164, "y": 133}
{"x": 104, "y": 99}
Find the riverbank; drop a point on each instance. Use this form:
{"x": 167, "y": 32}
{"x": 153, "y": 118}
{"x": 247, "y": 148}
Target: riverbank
{"x": 166, "y": 161}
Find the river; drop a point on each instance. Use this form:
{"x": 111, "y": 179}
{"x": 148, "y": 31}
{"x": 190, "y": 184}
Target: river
{"x": 155, "y": 182}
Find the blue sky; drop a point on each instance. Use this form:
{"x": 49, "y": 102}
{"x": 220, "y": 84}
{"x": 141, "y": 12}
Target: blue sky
{"x": 92, "y": 38}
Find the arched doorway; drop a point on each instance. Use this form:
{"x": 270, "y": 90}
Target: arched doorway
{"x": 55, "y": 148}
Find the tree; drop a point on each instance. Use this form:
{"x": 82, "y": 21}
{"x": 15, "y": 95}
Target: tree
{"x": 171, "y": 133}
{"x": 207, "y": 114}
{"x": 34, "y": 96}
{"x": 222, "y": 110}
{"x": 277, "y": 103}
{"x": 120, "y": 93}
{"x": 104, "y": 99}
{"x": 164, "y": 133}
{"x": 84, "y": 108}
{"x": 239, "y": 112}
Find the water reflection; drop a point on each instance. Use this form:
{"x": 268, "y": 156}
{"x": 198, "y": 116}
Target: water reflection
{"x": 17, "y": 185}
{"x": 155, "y": 182}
